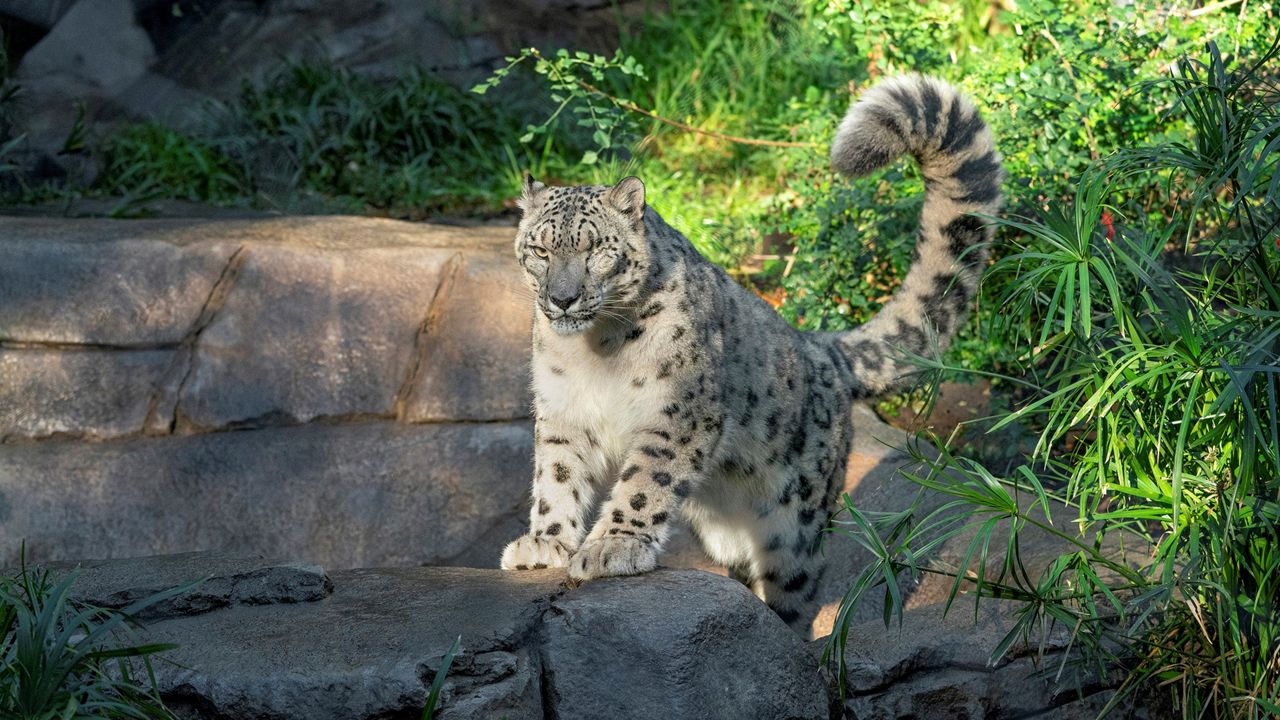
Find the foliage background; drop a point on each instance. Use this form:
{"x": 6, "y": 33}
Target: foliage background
{"x": 1129, "y": 323}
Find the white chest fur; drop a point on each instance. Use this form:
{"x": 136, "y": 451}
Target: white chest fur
{"x": 611, "y": 396}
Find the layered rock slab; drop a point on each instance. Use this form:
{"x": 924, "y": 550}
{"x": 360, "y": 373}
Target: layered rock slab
{"x": 359, "y": 494}
{"x": 674, "y": 643}
{"x": 247, "y": 323}
{"x": 938, "y": 664}
{"x": 351, "y": 391}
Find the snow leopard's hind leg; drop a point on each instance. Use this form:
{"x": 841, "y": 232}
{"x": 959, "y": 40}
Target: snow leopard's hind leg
{"x": 775, "y": 548}
{"x": 789, "y": 559}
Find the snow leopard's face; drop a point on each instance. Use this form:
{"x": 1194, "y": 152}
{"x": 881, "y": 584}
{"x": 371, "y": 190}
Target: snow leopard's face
{"x": 583, "y": 249}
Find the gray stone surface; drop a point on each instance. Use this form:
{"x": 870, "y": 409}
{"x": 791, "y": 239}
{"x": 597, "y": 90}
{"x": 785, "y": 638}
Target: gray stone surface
{"x": 375, "y": 493}
{"x": 84, "y": 392}
{"x": 267, "y": 321}
{"x": 477, "y": 337}
{"x": 220, "y": 580}
{"x": 285, "y": 640}
{"x": 671, "y": 644}
{"x": 41, "y": 13}
{"x": 349, "y": 346}
{"x": 95, "y": 51}
{"x": 459, "y": 39}
{"x": 102, "y": 283}
{"x": 311, "y": 332}
{"x": 369, "y": 650}
{"x": 95, "y": 47}
{"x": 936, "y": 666}
{"x": 675, "y": 644}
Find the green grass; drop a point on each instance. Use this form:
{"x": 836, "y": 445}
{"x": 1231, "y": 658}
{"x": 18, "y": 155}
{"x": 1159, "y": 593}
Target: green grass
{"x": 319, "y": 137}
{"x": 63, "y": 660}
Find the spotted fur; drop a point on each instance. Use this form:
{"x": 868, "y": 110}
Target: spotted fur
{"x": 664, "y": 386}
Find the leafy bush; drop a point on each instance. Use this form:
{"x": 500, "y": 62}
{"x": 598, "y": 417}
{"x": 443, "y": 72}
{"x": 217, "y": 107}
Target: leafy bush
{"x": 1148, "y": 339}
{"x": 148, "y": 161}
{"x": 59, "y": 659}
{"x": 314, "y": 134}
{"x": 1055, "y": 80}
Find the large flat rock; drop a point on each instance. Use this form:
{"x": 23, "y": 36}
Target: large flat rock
{"x": 262, "y": 322}
{"x": 375, "y": 493}
{"x": 671, "y": 644}
{"x": 939, "y": 665}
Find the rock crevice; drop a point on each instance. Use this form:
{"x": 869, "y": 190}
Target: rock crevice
{"x": 162, "y": 412}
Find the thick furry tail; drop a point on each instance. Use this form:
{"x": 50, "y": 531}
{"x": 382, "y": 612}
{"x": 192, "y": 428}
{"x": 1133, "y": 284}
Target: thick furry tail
{"x": 933, "y": 122}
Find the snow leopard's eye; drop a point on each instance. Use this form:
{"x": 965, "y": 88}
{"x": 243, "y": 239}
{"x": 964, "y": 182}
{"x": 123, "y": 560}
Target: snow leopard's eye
{"x": 539, "y": 251}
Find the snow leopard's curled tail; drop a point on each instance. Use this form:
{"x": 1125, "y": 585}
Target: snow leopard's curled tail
{"x": 930, "y": 120}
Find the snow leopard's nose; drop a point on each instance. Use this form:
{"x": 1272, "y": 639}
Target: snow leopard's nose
{"x": 564, "y": 301}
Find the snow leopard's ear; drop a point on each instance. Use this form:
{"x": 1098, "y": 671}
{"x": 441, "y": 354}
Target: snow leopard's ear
{"x": 531, "y": 194}
{"x": 627, "y": 197}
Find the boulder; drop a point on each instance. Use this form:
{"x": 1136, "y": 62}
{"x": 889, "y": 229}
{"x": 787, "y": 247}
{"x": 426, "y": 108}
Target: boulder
{"x": 246, "y": 323}
{"x": 675, "y": 644}
{"x": 672, "y": 644}
{"x": 95, "y": 51}
{"x": 359, "y": 494}
{"x": 96, "y": 48}
{"x": 939, "y": 665}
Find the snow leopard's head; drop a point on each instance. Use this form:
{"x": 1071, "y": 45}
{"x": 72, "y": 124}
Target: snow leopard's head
{"x": 583, "y": 249}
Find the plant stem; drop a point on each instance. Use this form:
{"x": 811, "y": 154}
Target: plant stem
{"x": 628, "y": 105}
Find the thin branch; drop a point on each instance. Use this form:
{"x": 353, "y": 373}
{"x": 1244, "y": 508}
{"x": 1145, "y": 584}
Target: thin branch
{"x": 628, "y": 105}
{"x": 1211, "y": 7}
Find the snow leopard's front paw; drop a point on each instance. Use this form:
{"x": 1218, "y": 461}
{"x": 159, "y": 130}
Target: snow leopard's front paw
{"x": 535, "y": 553}
{"x": 610, "y": 556}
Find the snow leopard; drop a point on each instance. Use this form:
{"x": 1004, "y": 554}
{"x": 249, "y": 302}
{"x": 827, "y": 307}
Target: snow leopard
{"x": 667, "y": 389}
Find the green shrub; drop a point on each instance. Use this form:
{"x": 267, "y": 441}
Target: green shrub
{"x": 1148, "y": 338}
{"x": 148, "y": 161}
{"x": 314, "y": 135}
{"x": 63, "y": 660}
{"x": 1056, "y": 82}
